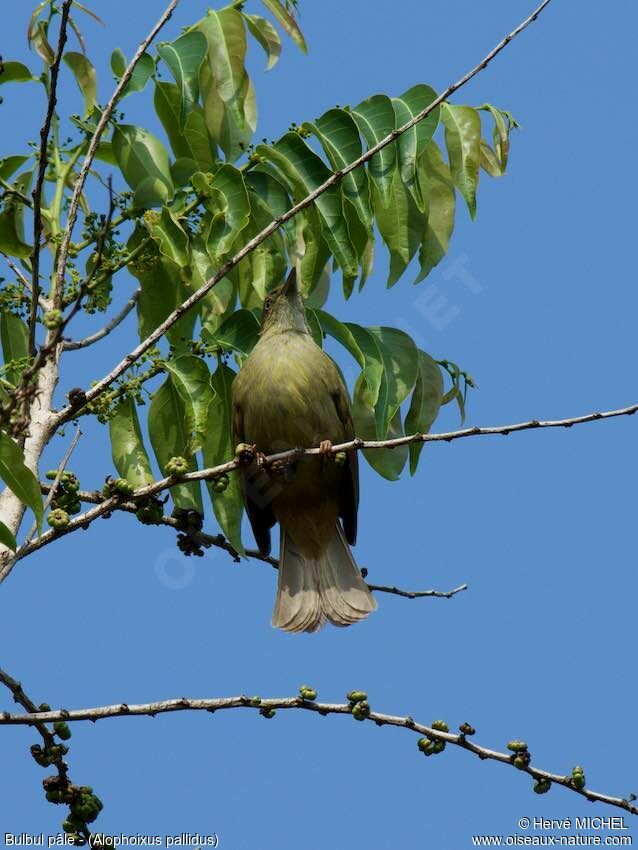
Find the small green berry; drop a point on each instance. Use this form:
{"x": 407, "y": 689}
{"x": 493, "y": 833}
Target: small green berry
{"x": 220, "y": 484}
{"x": 360, "y": 710}
{"x": 307, "y": 693}
{"x": 177, "y": 466}
{"x": 267, "y": 712}
{"x": 62, "y": 730}
{"x": 517, "y": 746}
{"x": 357, "y": 696}
{"x": 51, "y": 475}
{"x": 341, "y": 458}
{"x": 52, "y": 319}
{"x": 542, "y": 786}
{"x": 440, "y": 726}
{"x": 58, "y": 519}
{"x": 122, "y": 486}
{"x": 255, "y": 701}
{"x": 521, "y": 761}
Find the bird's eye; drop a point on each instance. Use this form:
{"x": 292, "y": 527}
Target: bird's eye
{"x": 267, "y": 304}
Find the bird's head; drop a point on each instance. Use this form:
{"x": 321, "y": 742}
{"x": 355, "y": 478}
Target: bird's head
{"x": 284, "y": 310}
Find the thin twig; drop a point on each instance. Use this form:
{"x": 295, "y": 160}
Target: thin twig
{"x": 26, "y": 283}
{"x": 93, "y": 146}
{"x": 54, "y": 487}
{"x": 30, "y": 707}
{"x": 110, "y": 504}
{"x": 74, "y": 345}
{"x": 334, "y": 179}
{"x": 42, "y": 167}
{"x": 290, "y": 703}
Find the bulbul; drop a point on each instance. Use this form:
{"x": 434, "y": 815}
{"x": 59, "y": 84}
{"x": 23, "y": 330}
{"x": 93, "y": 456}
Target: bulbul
{"x": 289, "y": 394}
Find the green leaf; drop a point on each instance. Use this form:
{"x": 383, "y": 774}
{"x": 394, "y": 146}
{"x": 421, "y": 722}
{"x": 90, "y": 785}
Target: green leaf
{"x": 268, "y": 260}
{"x": 227, "y": 91}
{"x": 275, "y": 197}
{"x": 127, "y": 446}
{"x": 19, "y": 478}
{"x": 118, "y": 62}
{"x": 85, "y": 76}
{"x": 34, "y": 17}
{"x": 287, "y": 21}
{"x": 6, "y": 538}
{"x": 12, "y": 220}
{"x": 41, "y": 43}
{"x": 184, "y": 57}
{"x": 375, "y": 119}
{"x": 264, "y": 32}
{"x": 399, "y": 355}
{"x": 463, "y": 141}
{"x": 387, "y": 462}
{"x": 240, "y": 332}
{"x": 413, "y": 142}
{"x": 170, "y": 438}
{"x": 339, "y": 137}
{"x": 143, "y": 71}
{"x": 305, "y": 171}
{"x": 226, "y": 199}
{"x": 193, "y": 141}
{"x": 218, "y": 448}
{"x": 489, "y": 161}
{"x": 503, "y": 123}
{"x": 438, "y": 191}
{"x": 10, "y": 164}
{"x": 143, "y": 160}
{"x": 15, "y": 72}
{"x": 426, "y": 402}
{"x": 171, "y": 238}
{"x": 15, "y": 343}
{"x": 162, "y": 290}
{"x": 400, "y": 224}
{"x": 192, "y": 380}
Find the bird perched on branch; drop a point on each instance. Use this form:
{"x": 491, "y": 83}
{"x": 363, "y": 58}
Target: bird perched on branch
{"x": 289, "y": 394}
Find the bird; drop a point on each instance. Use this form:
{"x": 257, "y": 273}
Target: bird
{"x": 289, "y": 394}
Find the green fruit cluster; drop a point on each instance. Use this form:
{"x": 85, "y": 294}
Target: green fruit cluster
{"x": 66, "y": 494}
{"x": 359, "y": 704}
{"x": 268, "y": 713}
{"x": 220, "y": 484}
{"x": 429, "y": 747}
{"x": 307, "y": 693}
{"x": 578, "y": 777}
{"x": 542, "y": 786}
{"x": 117, "y": 487}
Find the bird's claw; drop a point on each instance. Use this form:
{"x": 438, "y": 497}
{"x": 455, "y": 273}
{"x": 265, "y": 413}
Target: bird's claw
{"x": 325, "y": 447}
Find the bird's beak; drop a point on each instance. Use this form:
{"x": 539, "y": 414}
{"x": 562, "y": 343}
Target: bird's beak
{"x": 290, "y": 286}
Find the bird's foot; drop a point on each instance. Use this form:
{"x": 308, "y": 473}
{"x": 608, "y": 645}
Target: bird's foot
{"x": 325, "y": 447}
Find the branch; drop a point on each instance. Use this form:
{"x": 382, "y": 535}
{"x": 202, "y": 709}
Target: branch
{"x": 74, "y": 345}
{"x": 42, "y": 167}
{"x": 56, "y": 483}
{"x": 24, "y": 281}
{"x": 93, "y": 146}
{"x": 281, "y": 458}
{"x": 334, "y": 179}
{"x": 266, "y": 706}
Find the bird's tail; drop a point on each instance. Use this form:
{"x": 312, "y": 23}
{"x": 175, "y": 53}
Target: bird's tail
{"x": 311, "y": 591}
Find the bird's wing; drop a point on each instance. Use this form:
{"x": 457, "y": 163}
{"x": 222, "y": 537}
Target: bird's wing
{"x": 349, "y": 490}
{"x": 259, "y": 509}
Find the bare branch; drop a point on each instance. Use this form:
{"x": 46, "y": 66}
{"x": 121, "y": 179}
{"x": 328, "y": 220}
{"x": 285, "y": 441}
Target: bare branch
{"x": 93, "y": 146}
{"x": 42, "y": 167}
{"x": 74, "y": 345}
{"x": 459, "y": 739}
{"x": 334, "y": 179}
{"x": 111, "y": 504}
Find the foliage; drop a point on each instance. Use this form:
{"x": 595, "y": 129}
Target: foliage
{"x": 183, "y": 205}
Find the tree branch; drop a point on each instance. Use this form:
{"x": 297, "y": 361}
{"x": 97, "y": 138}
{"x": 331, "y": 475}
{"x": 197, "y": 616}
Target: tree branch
{"x": 42, "y": 167}
{"x": 74, "y": 345}
{"x": 334, "y": 179}
{"x": 459, "y": 739}
{"x": 93, "y": 146}
{"x": 281, "y": 458}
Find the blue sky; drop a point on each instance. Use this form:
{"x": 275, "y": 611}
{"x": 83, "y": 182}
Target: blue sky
{"x": 540, "y": 524}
